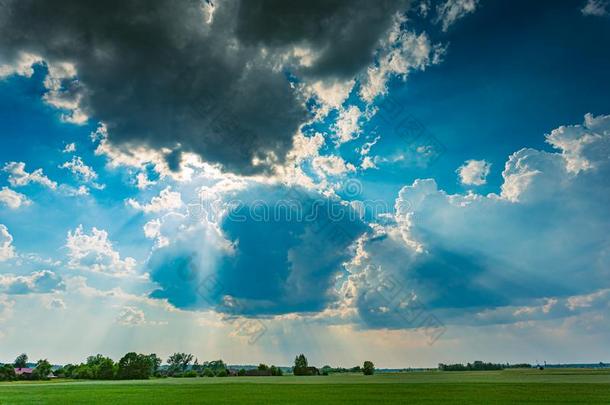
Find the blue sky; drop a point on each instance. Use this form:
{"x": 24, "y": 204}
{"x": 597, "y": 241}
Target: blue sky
{"x": 429, "y": 189}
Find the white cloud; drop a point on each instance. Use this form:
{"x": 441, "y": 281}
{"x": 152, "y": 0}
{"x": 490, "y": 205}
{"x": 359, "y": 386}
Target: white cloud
{"x": 19, "y": 177}
{"x": 22, "y": 67}
{"x": 347, "y": 126}
{"x": 81, "y": 171}
{"x": 596, "y": 8}
{"x": 331, "y": 165}
{"x": 70, "y": 148}
{"x": 142, "y": 181}
{"x": 463, "y": 254}
{"x": 73, "y": 191}
{"x": 167, "y": 200}
{"x": 404, "y": 51}
{"x": 56, "y": 303}
{"x": 7, "y": 251}
{"x": 131, "y": 316}
{"x": 44, "y": 281}
{"x": 331, "y": 95}
{"x": 368, "y": 163}
{"x": 64, "y": 92}
{"x": 13, "y": 199}
{"x": 474, "y": 172}
{"x": 95, "y": 252}
{"x": 452, "y": 10}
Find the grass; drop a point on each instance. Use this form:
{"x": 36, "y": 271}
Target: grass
{"x": 493, "y": 387}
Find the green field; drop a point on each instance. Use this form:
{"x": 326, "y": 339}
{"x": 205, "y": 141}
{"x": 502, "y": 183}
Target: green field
{"x": 486, "y": 387}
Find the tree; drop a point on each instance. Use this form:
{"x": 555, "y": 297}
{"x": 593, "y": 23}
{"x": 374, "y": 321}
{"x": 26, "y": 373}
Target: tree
{"x": 368, "y": 368}
{"x": 179, "y": 362}
{"x": 7, "y": 372}
{"x": 101, "y": 367}
{"x": 263, "y": 367}
{"x": 208, "y": 373}
{"x": 241, "y": 372}
{"x": 42, "y": 370}
{"x": 155, "y": 362}
{"x": 300, "y": 365}
{"x": 216, "y": 365}
{"x": 134, "y": 366}
{"x": 21, "y": 361}
{"x": 276, "y": 371}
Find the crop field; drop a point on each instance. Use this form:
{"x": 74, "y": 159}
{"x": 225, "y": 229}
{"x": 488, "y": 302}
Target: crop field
{"x": 485, "y": 387}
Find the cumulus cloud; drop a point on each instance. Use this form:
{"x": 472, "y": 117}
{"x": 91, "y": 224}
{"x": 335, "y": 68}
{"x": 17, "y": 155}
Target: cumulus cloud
{"x": 95, "y": 252}
{"x": 403, "y": 51}
{"x": 597, "y": 8}
{"x": 474, "y": 172}
{"x": 209, "y": 82}
{"x": 476, "y": 259}
{"x": 44, "y": 281}
{"x": 452, "y": 10}
{"x": 331, "y": 165}
{"x": 167, "y": 200}
{"x": 273, "y": 249}
{"x": 69, "y": 148}
{"x": 131, "y": 316}
{"x": 19, "y": 177}
{"x": 81, "y": 171}
{"x": 347, "y": 126}
{"x": 13, "y": 199}
{"x": 7, "y": 251}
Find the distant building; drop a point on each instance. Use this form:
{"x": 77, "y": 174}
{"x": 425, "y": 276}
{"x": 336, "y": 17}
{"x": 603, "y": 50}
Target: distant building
{"x": 24, "y": 371}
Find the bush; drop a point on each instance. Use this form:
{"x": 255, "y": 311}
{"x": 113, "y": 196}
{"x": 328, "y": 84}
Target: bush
{"x": 190, "y": 373}
{"x": 208, "y": 373}
{"x": 241, "y": 372}
{"x": 222, "y": 373}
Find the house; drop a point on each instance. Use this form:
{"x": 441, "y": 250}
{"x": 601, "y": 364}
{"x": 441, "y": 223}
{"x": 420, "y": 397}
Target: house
{"x": 24, "y": 371}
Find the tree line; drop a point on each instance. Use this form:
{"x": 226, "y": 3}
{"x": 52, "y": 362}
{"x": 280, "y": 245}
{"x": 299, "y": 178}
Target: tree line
{"x": 136, "y": 366}
{"x": 480, "y": 366}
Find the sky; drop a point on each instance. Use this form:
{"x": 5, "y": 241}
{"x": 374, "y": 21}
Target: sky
{"x": 403, "y": 182}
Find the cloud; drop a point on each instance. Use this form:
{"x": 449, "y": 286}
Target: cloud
{"x": 81, "y": 171}
{"x": 7, "y": 251}
{"x": 597, "y": 8}
{"x": 131, "y": 316}
{"x": 44, "y": 281}
{"x": 272, "y": 250}
{"x": 215, "y": 85}
{"x": 474, "y": 172}
{"x": 331, "y": 165}
{"x": 403, "y": 51}
{"x": 56, "y": 303}
{"x": 452, "y": 10}
{"x": 347, "y": 126}
{"x": 19, "y": 177}
{"x": 95, "y": 252}
{"x": 477, "y": 259}
{"x": 6, "y": 308}
{"x": 69, "y": 148}
{"x": 167, "y": 200}
{"x": 13, "y": 199}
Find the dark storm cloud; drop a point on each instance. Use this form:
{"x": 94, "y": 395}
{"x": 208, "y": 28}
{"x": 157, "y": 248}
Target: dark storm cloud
{"x": 166, "y": 75}
{"x": 344, "y": 34}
